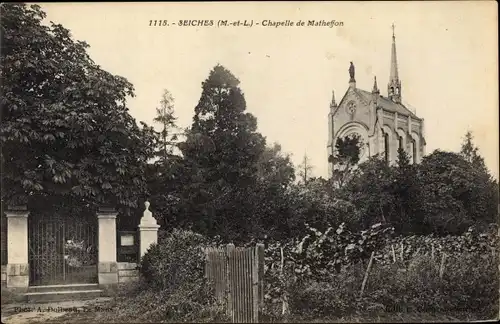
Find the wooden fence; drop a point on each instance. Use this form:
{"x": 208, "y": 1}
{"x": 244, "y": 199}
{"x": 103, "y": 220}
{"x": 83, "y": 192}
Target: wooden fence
{"x": 237, "y": 274}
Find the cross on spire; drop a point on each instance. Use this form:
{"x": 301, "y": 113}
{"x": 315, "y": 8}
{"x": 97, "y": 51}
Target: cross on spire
{"x": 393, "y": 27}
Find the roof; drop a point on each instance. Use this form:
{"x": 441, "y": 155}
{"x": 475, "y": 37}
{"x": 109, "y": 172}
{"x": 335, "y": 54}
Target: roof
{"x": 387, "y": 104}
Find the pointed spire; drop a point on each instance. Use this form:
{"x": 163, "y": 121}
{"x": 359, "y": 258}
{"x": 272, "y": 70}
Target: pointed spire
{"x": 333, "y": 103}
{"x": 375, "y": 87}
{"x": 394, "y": 86}
{"x": 394, "y": 61}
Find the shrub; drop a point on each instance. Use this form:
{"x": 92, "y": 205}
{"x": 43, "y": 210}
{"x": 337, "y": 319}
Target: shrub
{"x": 469, "y": 284}
{"x": 175, "y": 262}
{"x": 397, "y": 283}
{"x": 175, "y": 285}
{"x": 335, "y": 295}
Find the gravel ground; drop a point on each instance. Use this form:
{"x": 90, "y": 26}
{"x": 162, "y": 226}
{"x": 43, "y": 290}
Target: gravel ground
{"x": 62, "y": 312}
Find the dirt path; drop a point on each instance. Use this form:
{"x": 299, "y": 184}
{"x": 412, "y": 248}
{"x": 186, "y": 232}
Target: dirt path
{"x": 51, "y": 312}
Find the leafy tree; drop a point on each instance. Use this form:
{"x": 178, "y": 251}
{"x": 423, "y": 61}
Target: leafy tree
{"x": 221, "y": 153}
{"x": 345, "y": 159}
{"x": 371, "y": 189}
{"x": 275, "y": 168}
{"x": 316, "y": 204}
{"x": 269, "y": 197}
{"x": 66, "y": 130}
{"x": 454, "y": 194}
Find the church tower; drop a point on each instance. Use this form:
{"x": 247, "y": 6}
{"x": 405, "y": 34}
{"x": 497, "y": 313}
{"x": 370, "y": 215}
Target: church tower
{"x": 394, "y": 86}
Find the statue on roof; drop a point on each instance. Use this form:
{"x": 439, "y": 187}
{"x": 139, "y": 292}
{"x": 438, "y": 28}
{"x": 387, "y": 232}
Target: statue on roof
{"x": 351, "y": 72}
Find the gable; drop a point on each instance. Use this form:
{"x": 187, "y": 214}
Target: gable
{"x": 352, "y": 108}
{"x": 351, "y": 95}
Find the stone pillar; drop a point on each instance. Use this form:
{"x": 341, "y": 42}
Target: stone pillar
{"x": 107, "y": 265}
{"x": 17, "y": 248}
{"x": 148, "y": 230}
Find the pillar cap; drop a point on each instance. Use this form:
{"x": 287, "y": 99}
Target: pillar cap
{"x": 17, "y": 207}
{"x": 106, "y": 210}
{"x": 17, "y": 213}
{"x": 147, "y": 220}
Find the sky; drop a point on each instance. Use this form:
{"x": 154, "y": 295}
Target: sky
{"x": 447, "y": 57}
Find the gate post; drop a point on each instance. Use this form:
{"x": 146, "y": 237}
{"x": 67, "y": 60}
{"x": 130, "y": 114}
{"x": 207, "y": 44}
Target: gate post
{"x": 148, "y": 231}
{"x": 17, "y": 247}
{"x": 107, "y": 265}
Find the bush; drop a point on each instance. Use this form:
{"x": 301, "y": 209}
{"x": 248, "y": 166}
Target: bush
{"x": 412, "y": 284}
{"x": 175, "y": 288}
{"x": 337, "y": 295}
{"x": 469, "y": 283}
{"x": 178, "y": 260}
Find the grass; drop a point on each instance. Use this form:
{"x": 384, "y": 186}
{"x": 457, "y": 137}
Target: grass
{"x": 392, "y": 318}
{"x": 93, "y": 317}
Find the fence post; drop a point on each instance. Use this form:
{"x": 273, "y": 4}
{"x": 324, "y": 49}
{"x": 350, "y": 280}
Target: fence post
{"x": 229, "y": 278}
{"x": 366, "y": 273}
{"x": 256, "y": 287}
{"x": 260, "y": 262}
{"x": 441, "y": 269}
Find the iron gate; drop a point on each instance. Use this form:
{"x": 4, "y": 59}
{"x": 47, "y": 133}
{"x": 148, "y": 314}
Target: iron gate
{"x": 62, "y": 249}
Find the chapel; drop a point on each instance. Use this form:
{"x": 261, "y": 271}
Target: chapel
{"x": 383, "y": 123}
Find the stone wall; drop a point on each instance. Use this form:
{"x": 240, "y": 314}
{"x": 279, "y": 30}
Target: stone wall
{"x": 127, "y": 272}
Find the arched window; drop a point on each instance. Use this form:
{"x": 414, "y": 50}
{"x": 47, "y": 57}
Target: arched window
{"x": 401, "y": 142}
{"x": 386, "y": 146}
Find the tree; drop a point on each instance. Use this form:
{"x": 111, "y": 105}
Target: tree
{"x": 274, "y": 168}
{"x": 305, "y": 169}
{"x": 370, "y": 188}
{"x": 164, "y": 176}
{"x": 346, "y": 157}
{"x": 166, "y": 118}
{"x": 406, "y": 195}
{"x": 455, "y": 194}
{"x": 470, "y": 152}
{"x": 489, "y": 189}
{"x": 66, "y": 130}
{"x": 268, "y": 198}
{"x": 221, "y": 153}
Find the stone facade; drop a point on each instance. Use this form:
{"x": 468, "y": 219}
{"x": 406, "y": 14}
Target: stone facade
{"x": 384, "y": 124}
{"x": 127, "y": 272}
